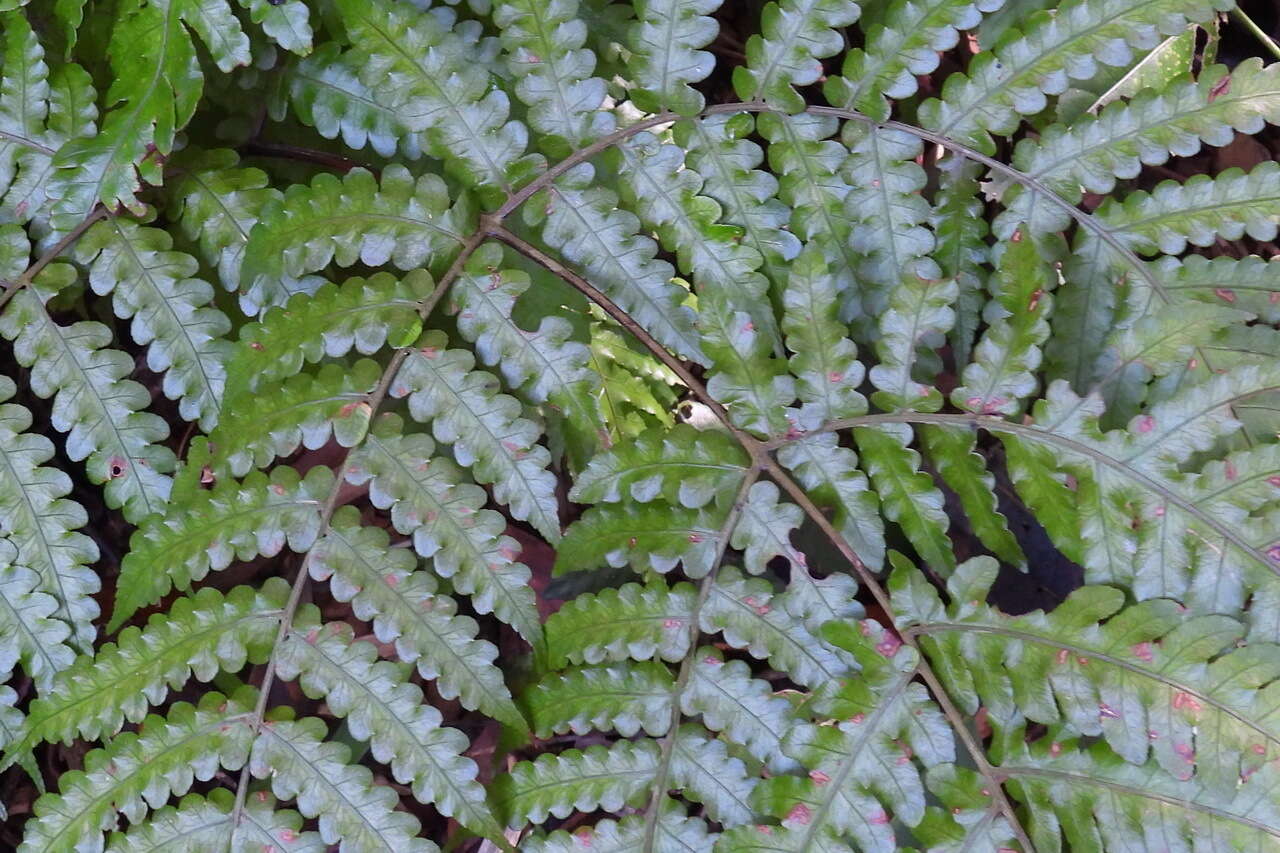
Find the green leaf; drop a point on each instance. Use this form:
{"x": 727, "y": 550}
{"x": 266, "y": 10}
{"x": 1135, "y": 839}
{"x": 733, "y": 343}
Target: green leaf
{"x": 418, "y": 67}
{"x": 665, "y": 56}
{"x": 632, "y": 622}
{"x": 400, "y": 220}
{"x": 33, "y": 639}
{"x": 302, "y": 766}
{"x": 904, "y": 42}
{"x": 232, "y": 521}
{"x": 407, "y": 611}
{"x": 794, "y": 35}
{"x": 41, "y": 522}
{"x": 624, "y": 697}
{"x": 484, "y": 427}
{"x": 135, "y": 771}
{"x": 825, "y": 362}
{"x": 645, "y": 537}
{"x": 170, "y": 309}
{"x": 431, "y": 500}
{"x": 829, "y": 474}
{"x": 326, "y": 92}
{"x": 753, "y": 618}
{"x": 198, "y": 637}
{"x": 1090, "y": 153}
{"x": 682, "y": 466}
{"x": 101, "y": 411}
{"x": 745, "y": 709}
{"x": 1002, "y": 374}
{"x": 907, "y": 495}
{"x": 673, "y": 832}
{"x": 575, "y": 780}
{"x": 361, "y": 314}
{"x": 583, "y": 223}
{"x": 1200, "y": 211}
{"x": 203, "y": 825}
{"x": 551, "y": 69}
{"x": 217, "y": 205}
{"x": 1012, "y": 79}
{"x": 383, "y": 708}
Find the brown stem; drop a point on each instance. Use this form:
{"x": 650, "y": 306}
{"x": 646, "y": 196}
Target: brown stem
{"x": 282, "y": 151}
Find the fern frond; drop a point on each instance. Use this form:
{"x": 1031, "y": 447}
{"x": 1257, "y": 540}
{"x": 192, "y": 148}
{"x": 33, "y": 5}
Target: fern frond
{"x": 484, "y": 427}
{"x": 795, "y": 35}
{"x": 1089, "y": 154}
{"x": 1013, "y": 78}
{"x": 645, "y": 537}
{"x": 198, "y": 637}
{"x": 812, "y": 181}
{"x": 398, "y": 219}
{"x": 381, "y": 707}
{"x": 763, "y": 531}
{"x": 203, "y": 825}
{"x": 955, "y": 457}
{"x": 1085, "y": 796}
{"x": 890, "y": 218}
{"x": 624, "y": 697}
{"x": 745, "y": 709}
{"x": 706, "y": 773}
{"x": 416, "y": 65}
{"x": 665, "y": 56}
{"x": 307, "y": 410}
{"x": 217, "y": 204}
{"x": 542, "y": 364}
{"x": 908, "y": 496}
{"x": 748, "y": 614}
{"x": 752, "y": 385}
{"x": 136, "y": 771}
{"x": 575, "y": 780}
{"x": 674, "y": 833}
{"x": 682, "y": 466}
{"x": 1146, "y": 679}
{"x": 864, "y": 767}
{"x": 431, "y": 501}
{"x": 824, "y": 361}
{"x": 830, "y": 475}
{"x": 32, "y": 638}
{"x": 919, "y": 314}
{"x": 326, "y": 92}
{"x": 583, "y": 223}
{"x": 719, "y": 148}
{"x": 1247, "y": 283}
{"x": 552, "y": 70}
{"x": 1138, "y": 510}
{"x": 1230, "y": 205}
{"x": 655, "y": 182}
{"x": 170, "y": 309}
{"x": 1002, "y": 373}
{"x": 42, "y": 523}
{"x": 101, "y": 410}
{"x": 904, "y": 41}
{"x": 361, "y": 314}
{"x": 632, "y": 622}
{"x": 351, "y": 811}
{"x": 231, "y": 521}
{"x": 156, "y": 84}
{"x": 406, "y": 610}
{"x": 961, "y": 231}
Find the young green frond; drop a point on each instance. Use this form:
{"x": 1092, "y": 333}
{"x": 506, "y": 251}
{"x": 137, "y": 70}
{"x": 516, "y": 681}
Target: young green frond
{"x": 642, "y": 426}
